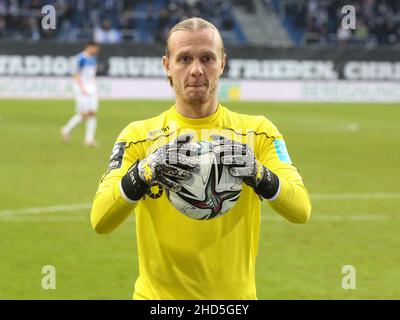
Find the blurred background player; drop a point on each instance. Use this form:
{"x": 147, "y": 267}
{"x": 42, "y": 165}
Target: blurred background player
{"x": 86, "y": 98}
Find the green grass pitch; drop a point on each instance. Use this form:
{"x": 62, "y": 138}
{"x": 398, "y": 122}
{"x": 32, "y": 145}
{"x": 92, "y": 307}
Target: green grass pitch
{"x": 348, "y": 154}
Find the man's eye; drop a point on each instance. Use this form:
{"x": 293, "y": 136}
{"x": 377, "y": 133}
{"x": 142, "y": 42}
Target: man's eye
{"x": 185, "y": 59}
{"x": 206, "y": 59}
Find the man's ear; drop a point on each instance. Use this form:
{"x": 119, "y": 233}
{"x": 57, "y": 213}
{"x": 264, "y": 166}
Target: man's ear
{"x": 165, "y": 62}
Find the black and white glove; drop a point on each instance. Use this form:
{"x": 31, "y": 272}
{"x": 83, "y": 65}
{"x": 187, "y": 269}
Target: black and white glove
{"x": 243, "y": 163}
{"x": 166, "y": 166}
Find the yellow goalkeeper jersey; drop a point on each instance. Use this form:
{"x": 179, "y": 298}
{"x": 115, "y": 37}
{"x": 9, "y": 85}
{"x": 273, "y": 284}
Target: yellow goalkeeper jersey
{"x": 183, "y": 258}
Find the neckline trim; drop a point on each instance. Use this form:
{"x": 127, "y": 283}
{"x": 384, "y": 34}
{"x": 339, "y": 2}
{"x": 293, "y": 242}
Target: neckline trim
{"x": 208, "y": 120}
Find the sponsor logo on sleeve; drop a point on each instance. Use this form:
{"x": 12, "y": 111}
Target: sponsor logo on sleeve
{"x": 116, "y": 156}
{"x": 281, "y": 150}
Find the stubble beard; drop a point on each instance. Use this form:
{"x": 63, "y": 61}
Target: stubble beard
{"x": 194, "y": 98}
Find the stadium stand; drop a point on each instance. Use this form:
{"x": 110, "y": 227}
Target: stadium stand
{"x": 312, "y": 22}
{"x": 261, "y": 24}
{"x": 113, "y": 21}
{"x": 264, "y": 22}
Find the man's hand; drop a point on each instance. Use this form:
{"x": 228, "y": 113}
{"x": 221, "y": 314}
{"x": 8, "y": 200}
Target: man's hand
{"x": 240, "y": 158}
{"x": 164, "y": 166}
{"x": 243, "y": 163}
{"x": 171, "y": 160}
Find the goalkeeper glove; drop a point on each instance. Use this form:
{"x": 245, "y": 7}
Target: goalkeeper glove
{"x": 164, "y": 166}
{"x": 243, "y": 163}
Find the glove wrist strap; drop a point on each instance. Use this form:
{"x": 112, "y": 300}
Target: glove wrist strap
{"x": 132, "y": 185}
{"x": 269, "y": 184}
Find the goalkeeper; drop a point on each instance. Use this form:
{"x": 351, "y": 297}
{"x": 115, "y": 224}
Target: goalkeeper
{"x": 179, "y": 257}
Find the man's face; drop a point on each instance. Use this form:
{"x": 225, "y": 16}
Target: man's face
{"x": 93, "y": 50}
{"x": 195, "y": 64}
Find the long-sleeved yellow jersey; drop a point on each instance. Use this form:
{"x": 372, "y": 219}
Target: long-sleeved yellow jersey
{"x": 183, "y": 258}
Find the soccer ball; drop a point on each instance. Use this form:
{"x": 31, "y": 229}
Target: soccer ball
{"x": 211, "y": 191}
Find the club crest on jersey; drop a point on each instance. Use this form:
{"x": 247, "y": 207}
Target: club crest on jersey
{"x": 116, "y": 156}
{"x": 155, "y": 191}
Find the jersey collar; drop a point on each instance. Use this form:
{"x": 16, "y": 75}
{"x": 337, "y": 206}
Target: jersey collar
{"x": 206, "y": 121}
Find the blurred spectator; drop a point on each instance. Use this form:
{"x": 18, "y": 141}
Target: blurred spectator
{"x": 343, "y": 36}
{"x": 361, "y": 32}
{"x": 31, "y": 29}
{"x": 3, "y": 28}
{"x": 106, "y": 33}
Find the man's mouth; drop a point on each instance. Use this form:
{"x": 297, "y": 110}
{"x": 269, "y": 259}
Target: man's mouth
{"x": 196, "y": 85}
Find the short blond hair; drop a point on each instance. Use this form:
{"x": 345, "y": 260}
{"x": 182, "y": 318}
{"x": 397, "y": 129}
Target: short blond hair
{"x": 193, "y": 24}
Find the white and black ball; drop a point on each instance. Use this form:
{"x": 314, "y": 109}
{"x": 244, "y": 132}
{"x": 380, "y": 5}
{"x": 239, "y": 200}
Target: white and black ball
{"x": 211, "y": 191}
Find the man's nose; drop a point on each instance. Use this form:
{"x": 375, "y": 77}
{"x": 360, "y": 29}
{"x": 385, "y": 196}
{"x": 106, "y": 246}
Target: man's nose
{"x": 197, "y": 69}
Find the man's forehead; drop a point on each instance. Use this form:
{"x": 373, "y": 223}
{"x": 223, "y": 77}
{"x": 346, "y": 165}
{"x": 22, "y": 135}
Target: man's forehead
{"x": 204, "y": 39}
